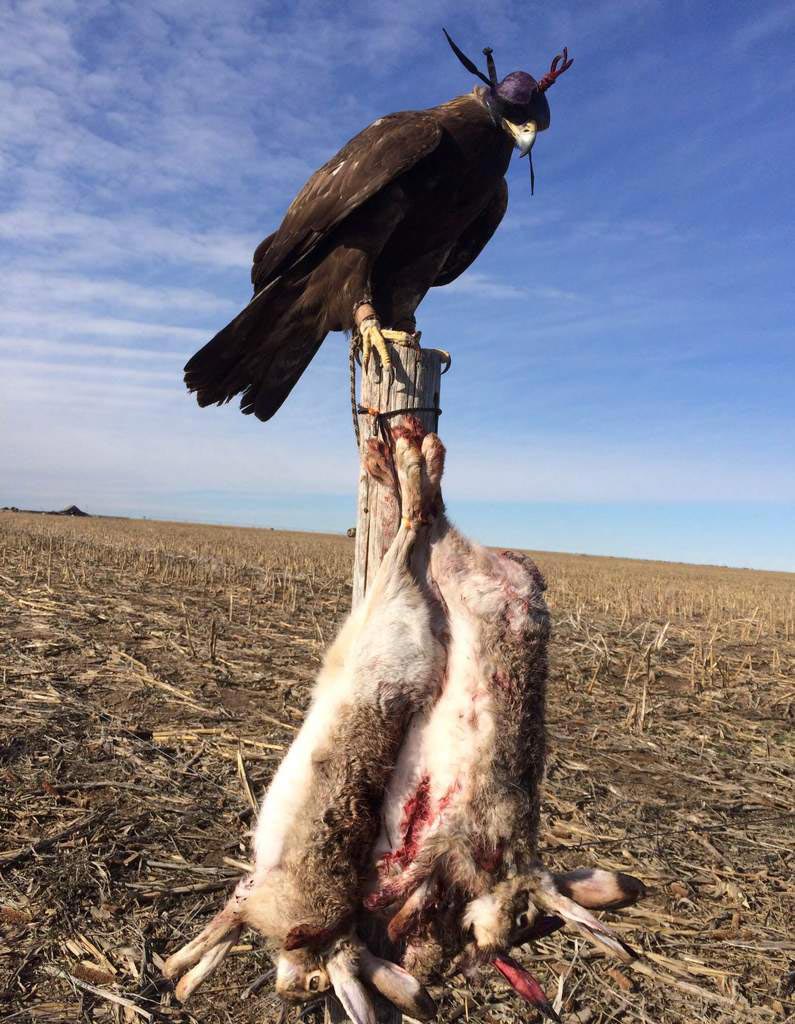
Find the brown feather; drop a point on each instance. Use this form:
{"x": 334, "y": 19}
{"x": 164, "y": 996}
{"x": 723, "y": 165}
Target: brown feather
{"x": 371, "y": 160}
{"x": 473, "y": 241}
{"x": 406, "y": 204}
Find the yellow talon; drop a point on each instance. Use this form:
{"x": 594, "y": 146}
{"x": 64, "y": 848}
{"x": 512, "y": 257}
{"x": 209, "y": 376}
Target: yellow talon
{"x": 403, "y": 337}
{"x": 373, "y": 338}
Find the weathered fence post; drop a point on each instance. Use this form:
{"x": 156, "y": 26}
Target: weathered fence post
{"x": 416, "y": 385}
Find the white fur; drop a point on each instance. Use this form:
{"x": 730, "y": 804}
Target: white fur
{"x": 386, "y": 642}
{"x": 448, "y": 742}
{"x": 293, "y": 780}
{"x": 485, "y": 916}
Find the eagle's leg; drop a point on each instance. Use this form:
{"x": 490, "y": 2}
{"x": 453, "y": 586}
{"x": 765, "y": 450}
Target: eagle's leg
{"x": 375, "y": 337}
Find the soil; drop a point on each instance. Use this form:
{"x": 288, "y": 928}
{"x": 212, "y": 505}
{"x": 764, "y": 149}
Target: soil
{"x": 153, "y": 675}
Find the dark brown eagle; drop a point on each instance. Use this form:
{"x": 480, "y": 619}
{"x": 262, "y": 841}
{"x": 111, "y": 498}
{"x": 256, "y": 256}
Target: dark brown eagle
{"x": 406, "y": 205}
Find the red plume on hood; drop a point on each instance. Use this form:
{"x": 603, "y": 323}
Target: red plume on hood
{"x": 560, "y": 64}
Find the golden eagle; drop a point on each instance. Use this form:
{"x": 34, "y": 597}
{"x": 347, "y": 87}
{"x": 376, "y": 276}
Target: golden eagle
{"x": 406, "y": 205}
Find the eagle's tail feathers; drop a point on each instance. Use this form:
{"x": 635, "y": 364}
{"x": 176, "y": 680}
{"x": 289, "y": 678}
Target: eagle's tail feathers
{"x": 260, "y": 354}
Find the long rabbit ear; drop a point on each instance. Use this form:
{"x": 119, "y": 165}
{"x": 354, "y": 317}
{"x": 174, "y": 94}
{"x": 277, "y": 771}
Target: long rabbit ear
{"x": 350, "y": 991}
{"x": 406, "y": 917}
{"x": 526, "y": 985}
{"x": 398, "y": 986}
{"x": 377, "y": 461}
{"x": 600, "y": 889}
{"x": 592, "y": 928}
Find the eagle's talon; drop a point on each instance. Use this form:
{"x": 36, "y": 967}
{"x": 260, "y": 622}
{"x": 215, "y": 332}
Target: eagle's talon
{"x": 411, "y": 339}
{"x": 373, "y": 338}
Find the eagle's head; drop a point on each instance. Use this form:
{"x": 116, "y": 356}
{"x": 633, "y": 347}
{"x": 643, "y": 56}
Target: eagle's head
{"x": 520, "y": 107}
{"x": 517, "y": 104}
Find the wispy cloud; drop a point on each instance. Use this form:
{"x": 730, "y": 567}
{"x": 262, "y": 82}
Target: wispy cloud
{"x": 101, "y": 326}
{"x": 630, "y": 332}
{"x": 485, "y": 287}
{"x": 101, "y": 241}
{"x": 17, "y": 346}
{"x": 49, "y": 368}
{"x": 120, "y": 293}
{"x": 761, "y": 25}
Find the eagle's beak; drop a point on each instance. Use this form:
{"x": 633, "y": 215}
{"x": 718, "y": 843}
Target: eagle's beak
{"x": 523, "y": 135}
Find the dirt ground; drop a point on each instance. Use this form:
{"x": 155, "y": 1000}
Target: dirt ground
{"x": 153, "y": 674}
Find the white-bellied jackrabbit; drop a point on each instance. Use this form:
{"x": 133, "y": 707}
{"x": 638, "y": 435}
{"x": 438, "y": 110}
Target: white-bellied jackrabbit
{"x": 407, "y": 807}
{"x": 456, "y": 873}
{"x": 321, "y": 813}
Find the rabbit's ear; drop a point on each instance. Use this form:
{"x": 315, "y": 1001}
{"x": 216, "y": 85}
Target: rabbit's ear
{"x": 377, "y": 460}
{"x": 596, "y": 931}
{"x": 398, "y": 986}
{"x": 599, "y": 889}
{"x": 407, "y": 916}
{"x": 349, "y": 990}
{"x": 526, "y": 985}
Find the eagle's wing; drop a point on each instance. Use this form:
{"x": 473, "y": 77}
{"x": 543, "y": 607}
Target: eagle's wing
{"x": 376, "y": 156}
{"x": 265, "y": 349}
{"x": 259, "y": 256}
{"x": 475, "y": 238}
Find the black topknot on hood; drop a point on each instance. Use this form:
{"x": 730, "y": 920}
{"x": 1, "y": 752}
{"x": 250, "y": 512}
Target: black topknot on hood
{"x": 518, "y": 97}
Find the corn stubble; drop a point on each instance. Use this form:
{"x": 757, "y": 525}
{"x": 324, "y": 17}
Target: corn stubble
{"x": 153, "y": 674}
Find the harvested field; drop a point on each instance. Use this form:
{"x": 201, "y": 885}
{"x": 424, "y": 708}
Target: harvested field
{"x": 154, "y": 673}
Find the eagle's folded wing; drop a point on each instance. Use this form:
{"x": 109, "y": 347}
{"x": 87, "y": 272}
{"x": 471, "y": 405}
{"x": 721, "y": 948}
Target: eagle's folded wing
{"x": 372, "y": 159}
{"x": 265, "y": 349}
{"x": 475, "y": 238}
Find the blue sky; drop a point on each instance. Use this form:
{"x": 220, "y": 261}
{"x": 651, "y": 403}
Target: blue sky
{"x": 623, "y": 350}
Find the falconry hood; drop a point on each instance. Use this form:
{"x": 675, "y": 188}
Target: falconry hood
{"x": 517, "y": 103}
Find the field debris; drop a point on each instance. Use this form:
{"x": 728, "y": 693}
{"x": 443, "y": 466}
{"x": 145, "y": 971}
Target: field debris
{"x": 153, "y": 675}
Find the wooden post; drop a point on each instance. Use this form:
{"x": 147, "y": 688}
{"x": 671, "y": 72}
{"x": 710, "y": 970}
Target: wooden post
{"x": 416, "y": 384}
